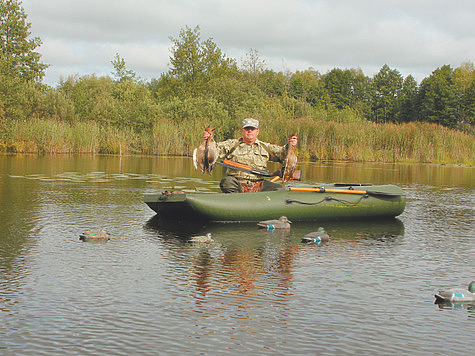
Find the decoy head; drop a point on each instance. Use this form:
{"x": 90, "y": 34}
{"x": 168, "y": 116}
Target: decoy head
{"x": 285, "y": 220}
{"x": 471, "y": 287}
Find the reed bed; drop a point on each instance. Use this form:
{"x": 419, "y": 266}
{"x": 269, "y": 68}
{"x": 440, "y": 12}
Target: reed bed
{"x": 319, "y": 139}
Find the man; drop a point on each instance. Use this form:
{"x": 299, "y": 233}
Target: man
{"x": 251, "y": 151}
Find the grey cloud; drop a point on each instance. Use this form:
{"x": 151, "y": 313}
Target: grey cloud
{"x": 414, "y": 37}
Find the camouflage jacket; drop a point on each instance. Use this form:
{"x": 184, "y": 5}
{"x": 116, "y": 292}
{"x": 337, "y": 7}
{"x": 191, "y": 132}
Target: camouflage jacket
{"x": 256, "y": 155}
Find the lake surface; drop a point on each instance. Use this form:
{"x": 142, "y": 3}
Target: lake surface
{"x": 370, "y": 290}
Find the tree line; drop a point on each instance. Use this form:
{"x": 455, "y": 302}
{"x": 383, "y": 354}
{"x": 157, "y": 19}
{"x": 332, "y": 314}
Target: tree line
{"x": 204, "y": 85}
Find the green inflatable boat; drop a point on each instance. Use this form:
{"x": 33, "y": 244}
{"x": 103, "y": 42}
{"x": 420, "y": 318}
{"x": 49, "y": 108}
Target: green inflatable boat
{"x": 299, "y": 202}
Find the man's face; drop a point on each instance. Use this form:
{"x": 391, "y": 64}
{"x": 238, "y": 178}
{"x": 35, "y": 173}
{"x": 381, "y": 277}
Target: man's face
{"x": 249, "y": 134}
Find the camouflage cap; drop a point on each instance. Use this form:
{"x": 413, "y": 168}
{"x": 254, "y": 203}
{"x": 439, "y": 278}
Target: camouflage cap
{"x": 250, "y": 122}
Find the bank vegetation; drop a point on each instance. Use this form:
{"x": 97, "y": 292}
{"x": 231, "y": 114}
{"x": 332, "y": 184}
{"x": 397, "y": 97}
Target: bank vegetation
{"x": 339, "y": 115}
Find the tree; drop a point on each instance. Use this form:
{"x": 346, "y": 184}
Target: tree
{"x": 387, "y": 84}
{"x": 272, "y": 83}
{"x": 17, "y": 49}
{"x": 438, "y": 98}
{"x": 307, "y": 86}
{"x": 407, "y": 100}
{"x": 194, "y": 63}
{"x": 362, "y": 92}
{"x": 120, "y": 72}
{"x": 21, "y": 71}
{"x": 253, "y": 66}
{"x": 338, "y": 83}
{"x": 465, "y": 82}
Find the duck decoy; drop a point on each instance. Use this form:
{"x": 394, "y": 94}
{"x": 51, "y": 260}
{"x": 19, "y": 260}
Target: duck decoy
{"x": 94, "y": 236}
{"x": 206, "y": 239}
{"x": 316, "y": 236}
{"x": 456, "y": 295}
{"x": 281, "y": 223}
{"x": 205, "y": 156}
{"x": 290, "y": 163}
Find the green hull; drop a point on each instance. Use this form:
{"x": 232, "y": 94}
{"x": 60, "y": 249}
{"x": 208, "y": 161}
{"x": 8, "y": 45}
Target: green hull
{"x": 382, "y": 201}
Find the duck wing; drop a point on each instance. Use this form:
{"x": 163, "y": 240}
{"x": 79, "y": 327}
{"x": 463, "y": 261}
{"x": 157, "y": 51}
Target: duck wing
{"x": 195, "y": 159}
{"x": 454, "y": 295}
{"x": 316, "y": 236}
{"x": 266, "y": 223}
{"x": 199, "y": 158}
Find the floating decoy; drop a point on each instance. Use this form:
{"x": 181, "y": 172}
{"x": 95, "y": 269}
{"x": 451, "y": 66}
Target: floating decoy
{"x": 316, "y": 236}
{"x": 290, "y": 163}
{"x": 94, "y": 236}
{"x": 206, "y": 239}
{"x": 456, "y": 295}
{"x": 204, "y": 157}
{"x": 282, "y": 223}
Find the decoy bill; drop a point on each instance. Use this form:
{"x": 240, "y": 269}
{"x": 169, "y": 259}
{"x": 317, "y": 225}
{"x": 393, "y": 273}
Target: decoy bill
{"x": 205, "y": 156}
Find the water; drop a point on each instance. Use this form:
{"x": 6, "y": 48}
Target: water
{"x": 149, "y": 291}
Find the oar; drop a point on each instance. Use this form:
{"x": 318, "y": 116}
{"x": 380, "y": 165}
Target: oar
{"x": 345, "y": 191}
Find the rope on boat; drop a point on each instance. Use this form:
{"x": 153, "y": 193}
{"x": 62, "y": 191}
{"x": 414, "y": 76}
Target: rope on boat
{"x": 290, "y": 201}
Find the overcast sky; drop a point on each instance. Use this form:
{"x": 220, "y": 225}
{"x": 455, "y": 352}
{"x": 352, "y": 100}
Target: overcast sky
{"x": 413, "y": 36}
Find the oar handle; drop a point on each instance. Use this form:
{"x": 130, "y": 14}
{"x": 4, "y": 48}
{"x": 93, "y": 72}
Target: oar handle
{"x": 345, "y": 191}
{"x": 324, "y": 190}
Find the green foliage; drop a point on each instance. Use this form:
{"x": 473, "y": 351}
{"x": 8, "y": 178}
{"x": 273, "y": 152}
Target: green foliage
{"x": 194, "y": 63}
{"x": 18, "y": 57}
{"x": 20, "y": 66}
{"x": 135, "y": 106}
{"x": 121, "y": 104}
{"x": 120, "y": 72}
{"x": 465, "y": 83}
{"x": 407, "y": 98}
{"x": 208, "y": 111}
{"x": 387, "y": 85}
{"x": 272, "y": 84}
{"x": 307, "y": 86}
{"x": 338, "y": 84}
{"x": 438, "y": 98}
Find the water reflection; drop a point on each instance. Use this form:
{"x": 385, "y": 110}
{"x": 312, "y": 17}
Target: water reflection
{"x": 469, "y": 306}
{"x": 378, "y": 229}
{"x": 243, "y": 258}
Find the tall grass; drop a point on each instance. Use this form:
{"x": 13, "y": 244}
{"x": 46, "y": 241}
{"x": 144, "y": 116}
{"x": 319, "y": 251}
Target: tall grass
{"x": 323, "y": 138}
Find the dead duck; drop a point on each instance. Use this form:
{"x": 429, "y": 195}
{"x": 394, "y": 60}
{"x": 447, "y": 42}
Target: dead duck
{"x": 290, "y": 163}
{"x": 206, "y": 239}
{"x": 281, "y": 223}
{"x": 456, "y": 295}
{"x": 94, "y": 236}
{"x": 316, "y": 236}
{"x": 205, "y": 156}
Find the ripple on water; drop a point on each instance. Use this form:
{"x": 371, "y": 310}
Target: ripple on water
{"x": 370, "y": 289}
